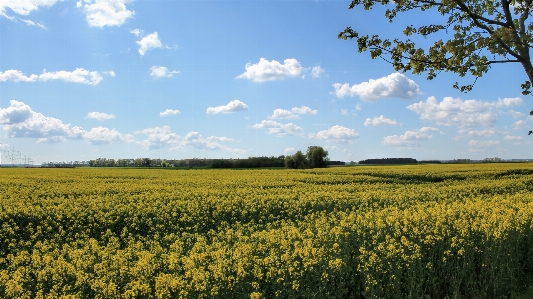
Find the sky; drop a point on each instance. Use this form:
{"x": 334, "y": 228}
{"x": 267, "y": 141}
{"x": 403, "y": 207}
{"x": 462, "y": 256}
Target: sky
{"x": 116, "y": 79}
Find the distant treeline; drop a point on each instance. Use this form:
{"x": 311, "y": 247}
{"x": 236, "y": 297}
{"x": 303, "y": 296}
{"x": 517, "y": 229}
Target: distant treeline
{"x": 389, "y": 161}
{"x": 251, "y": 162}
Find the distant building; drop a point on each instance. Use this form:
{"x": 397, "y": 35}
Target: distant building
{"x": 336, "y": 163}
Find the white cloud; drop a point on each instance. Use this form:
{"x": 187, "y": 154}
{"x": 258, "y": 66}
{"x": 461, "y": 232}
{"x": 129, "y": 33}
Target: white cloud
{"x": 265, "y": 70}
{"x": 338, "y": 134}
{"x": 137, "y": 32}
{"x": 380, "y": 121}
{"x": 100, "y": 115}
{"x": 3, "y": 145}
{"x": 102, "y": 135}
{"x": 169, "y": 112}
{"x": 479, "y": 133}
{"x": 110, "y": 73}
{"x": 410, "y": 139}
{"x": 476, "y": 144}
{"x": 515, "y": 114}
{"x": 344, "y": 112}
{"x": 289, "y": 150}
{"x": 358, "y": 107}
{"x": 233, "y": 106}
{"x": 52, "y": 139}
{"x": 161, "y": 72}
{"x": 395, "y": 85}
{"x": 32, "y": 23}
{"x": 158, "y": 137}
{"x": 278, "y": 128}
{"x": 20, "y": 121}
{"x": 509, "y": 137}
{"x": 459, "y": 113}
{"x": 316, "y": 71}
{"x": 23, "y": 7}
{"x": 149, "y": 42}
{"x": 293, "y": 114}
{"x": 283, "y": 114}
{"x": 520, "y": 124}
{"x": 102, "y": 13}
{"x": 79, "y": 75}
{"x": 211, "y": 143}
{"x": 304, "y": 110}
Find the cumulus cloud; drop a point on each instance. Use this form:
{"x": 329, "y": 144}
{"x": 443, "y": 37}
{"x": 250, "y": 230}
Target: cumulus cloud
{"x": 520, "y": 124}
{"x": 102, "y": 135}
{"x": 510, "y": 137}
{"x": 395, "y": 85}
{"x": 22, "y": 7}
{"x": 79, "y": 75}
{"x": 344, "y": 111}
{"x": 316, "y": 71}
{"x": 100, "y": 13}
{"x": 338, "y": 134}
{"x": 100, "y": 115}
{"x": 479, "y": 133}
{"x": 137, "y": 32}
{"x": 279, "y": 129}
{"x": 289, "y": 150}
{"x": 293, "y": 113}
{"x": 3, "y": 145}
{"x": 283, "y": 114}
{"x": 459, "y": 113}
{"x": 20, "y": 121}
{"x": 380, "y": 121}
{"x": 265, "y": 70}
{"x": 210, "y": 143}
{"x": 410, "y": 139}
{"x": 161, "y": 72}
{"x": 233, "y": 106}
{"x": 149, "y": 42}
{"x": 110, "y": 73}
{"x": 158, "y": 137}
{"x": 304, "y": 110}
{"x": 477, "y": 144}
{"x": 515, "y": 114}
{"x": 169, "y": 112}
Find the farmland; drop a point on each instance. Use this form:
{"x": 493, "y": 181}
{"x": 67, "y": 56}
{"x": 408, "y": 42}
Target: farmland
{"x": 428, "y": 231}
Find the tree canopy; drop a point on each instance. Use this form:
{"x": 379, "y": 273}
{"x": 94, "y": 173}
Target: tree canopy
{"x": 485, "y": 32}
{"x": 315, "y": 157}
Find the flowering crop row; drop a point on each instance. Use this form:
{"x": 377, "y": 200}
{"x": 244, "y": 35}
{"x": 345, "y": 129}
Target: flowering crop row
{"x": 433, "y": 231}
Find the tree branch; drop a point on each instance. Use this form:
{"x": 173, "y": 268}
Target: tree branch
{"x": 502, "y": 61}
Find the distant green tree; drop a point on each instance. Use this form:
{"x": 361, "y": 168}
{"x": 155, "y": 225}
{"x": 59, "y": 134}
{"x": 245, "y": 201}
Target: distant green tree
{"x": 146, "y": 162}
{"x": 317, "y": 157}
{"x": 296, "y": 161}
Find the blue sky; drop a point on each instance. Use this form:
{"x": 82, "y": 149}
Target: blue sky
{"x": 232, "y": 79}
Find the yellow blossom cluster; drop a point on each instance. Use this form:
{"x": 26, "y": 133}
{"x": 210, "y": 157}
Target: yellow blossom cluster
{"x": 421, "y": 231}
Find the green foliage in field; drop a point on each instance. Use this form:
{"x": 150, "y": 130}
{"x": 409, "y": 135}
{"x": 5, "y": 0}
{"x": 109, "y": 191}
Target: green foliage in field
{"x": 432, "y": 231}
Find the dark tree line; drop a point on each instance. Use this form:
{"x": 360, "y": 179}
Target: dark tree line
{"x": 389, "y": 161}
{"x": 315, "y": 157}
{"x": 251, "y": 162}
